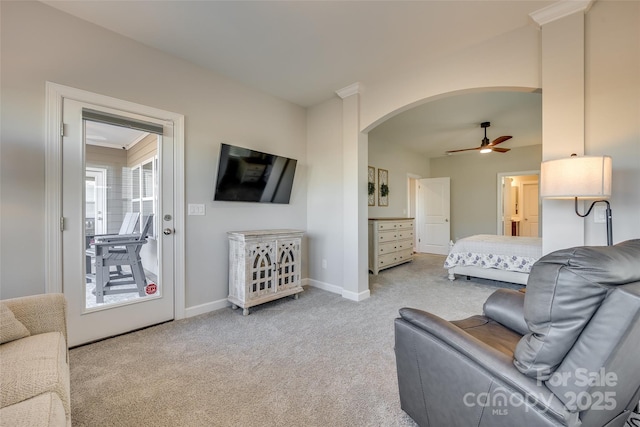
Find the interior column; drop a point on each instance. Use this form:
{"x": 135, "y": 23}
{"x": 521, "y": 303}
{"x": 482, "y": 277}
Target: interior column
{"x": 355, "y": 278}
{"x": 563, "y": 110}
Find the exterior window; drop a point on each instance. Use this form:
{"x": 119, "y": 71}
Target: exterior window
{"x": 144, "y": 184}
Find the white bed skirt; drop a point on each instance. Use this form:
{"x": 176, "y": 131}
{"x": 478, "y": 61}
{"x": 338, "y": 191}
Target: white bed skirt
{"x": 489, "y": 273}
{"x": 488, "y": 256}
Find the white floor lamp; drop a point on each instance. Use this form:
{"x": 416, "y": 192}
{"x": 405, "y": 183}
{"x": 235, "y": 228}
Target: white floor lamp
{"x": 584, "y": 177}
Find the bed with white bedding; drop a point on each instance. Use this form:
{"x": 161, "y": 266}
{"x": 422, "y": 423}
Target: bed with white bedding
{"x": 504, "y": 258}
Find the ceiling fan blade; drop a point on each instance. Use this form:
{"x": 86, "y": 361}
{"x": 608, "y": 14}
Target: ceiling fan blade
{"x": 500, "y": 150}
{"x": 500, "y": 140}
{"x": 466, "y": 149}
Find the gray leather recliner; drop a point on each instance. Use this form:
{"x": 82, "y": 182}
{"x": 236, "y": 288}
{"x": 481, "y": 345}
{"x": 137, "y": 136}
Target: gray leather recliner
{"x": 566, "y": 353}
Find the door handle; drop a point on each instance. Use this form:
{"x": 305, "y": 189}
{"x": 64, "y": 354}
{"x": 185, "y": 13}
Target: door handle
{"x": 167, "y": 231}
{"x": 446, "y": 220}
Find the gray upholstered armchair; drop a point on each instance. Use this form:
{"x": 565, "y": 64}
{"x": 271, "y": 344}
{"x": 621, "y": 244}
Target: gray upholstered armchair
{"x": 566, "y": 353}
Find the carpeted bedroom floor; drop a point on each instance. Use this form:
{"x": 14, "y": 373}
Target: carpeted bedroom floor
{"x": 320, "y": 360}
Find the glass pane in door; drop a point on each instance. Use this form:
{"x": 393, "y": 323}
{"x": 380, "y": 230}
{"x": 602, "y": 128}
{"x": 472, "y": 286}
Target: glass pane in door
{"x": 121, "y": 261}
{"x": 147, "y": 179}
{"x": 90, "y": 205}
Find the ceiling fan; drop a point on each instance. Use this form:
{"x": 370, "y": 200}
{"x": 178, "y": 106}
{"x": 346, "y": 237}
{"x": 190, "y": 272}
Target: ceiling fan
{"x": 486, "y": 146}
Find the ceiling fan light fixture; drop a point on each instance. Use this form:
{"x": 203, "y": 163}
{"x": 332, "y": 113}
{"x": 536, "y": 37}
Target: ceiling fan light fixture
{"x": 486, "y": 146}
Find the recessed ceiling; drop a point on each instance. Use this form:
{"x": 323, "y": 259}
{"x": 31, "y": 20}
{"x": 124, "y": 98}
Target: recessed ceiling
{"x": 453, "y": 123}
{"x": 111, "y": 136}
{"x": 303, "y": 51}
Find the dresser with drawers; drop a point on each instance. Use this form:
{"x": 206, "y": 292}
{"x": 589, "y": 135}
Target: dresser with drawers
{"x": 390, "y": 242}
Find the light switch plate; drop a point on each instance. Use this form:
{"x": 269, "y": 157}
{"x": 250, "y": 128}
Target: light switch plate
{"x": 195, "y": 209}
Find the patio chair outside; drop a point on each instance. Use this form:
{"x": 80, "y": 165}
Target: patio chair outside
{"x": 121, "y": 250}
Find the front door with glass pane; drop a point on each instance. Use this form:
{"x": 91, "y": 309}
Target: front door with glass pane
{"x": 117, "y": 193}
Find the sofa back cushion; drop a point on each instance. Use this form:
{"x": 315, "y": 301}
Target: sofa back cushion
{"x": 564, "y": 291}
{"x": 10, "y": 328}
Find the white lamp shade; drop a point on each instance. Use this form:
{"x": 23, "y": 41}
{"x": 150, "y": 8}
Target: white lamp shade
{"x": 586, "y": 177}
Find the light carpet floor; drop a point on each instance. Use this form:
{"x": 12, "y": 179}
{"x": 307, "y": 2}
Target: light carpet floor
{"x": 320, "y": 360}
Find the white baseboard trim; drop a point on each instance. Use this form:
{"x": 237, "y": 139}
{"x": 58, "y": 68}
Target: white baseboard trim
{"x": 353, "y": 296}
{"x": 322, "y": 285}
{"x": 206, "y": 308}
{"x": 223, "y": 303}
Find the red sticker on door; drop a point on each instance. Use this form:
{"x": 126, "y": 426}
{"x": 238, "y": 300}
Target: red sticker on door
{"x": 151, "y": 288}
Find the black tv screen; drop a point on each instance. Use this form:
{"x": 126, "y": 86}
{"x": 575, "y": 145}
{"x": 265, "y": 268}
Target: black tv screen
{"x": 246, "y": 175}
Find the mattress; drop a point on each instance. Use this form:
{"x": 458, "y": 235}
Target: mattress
{"x": 509, "y": 253}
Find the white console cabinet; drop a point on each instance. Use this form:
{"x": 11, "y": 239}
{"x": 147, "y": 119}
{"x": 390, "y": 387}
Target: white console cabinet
{"x": 264, "y": 265}
{"x": 390, "y": 242}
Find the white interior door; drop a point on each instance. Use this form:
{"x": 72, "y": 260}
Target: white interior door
{"x": 432, "y": 215}
{"x": 530, "y": 209}
{"x": 149, "y": 298}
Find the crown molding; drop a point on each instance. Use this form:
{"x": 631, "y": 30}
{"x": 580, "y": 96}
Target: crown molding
{"x": 352, "y": 89}
{"x": 559, "y": 10}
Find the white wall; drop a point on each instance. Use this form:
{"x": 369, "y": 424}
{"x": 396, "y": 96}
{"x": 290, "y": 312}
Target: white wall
{"x": 75, "y": 53}
{"x": 612, "y": 116}
{"x": 41, "y": 44}
{"x": 612, "y": 93}
{"x": 563, "y": 125}
{"x": 474, "y": 177}
{"x": 513, "y": 61}
{"x": 325, "y": 195}
{"x": 510, "y": 61}
{"x": 504, "y": 62}
{"x": 398, "y": 162}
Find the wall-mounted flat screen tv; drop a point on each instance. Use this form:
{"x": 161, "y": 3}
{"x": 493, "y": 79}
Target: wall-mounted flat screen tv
{"x": 246, "y": 175}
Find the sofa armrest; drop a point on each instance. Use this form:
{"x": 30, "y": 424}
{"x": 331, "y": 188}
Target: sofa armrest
{"x": 485, "y": 358}
{"x": 506, "y": 307}
{"x": 41, "y": 313}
